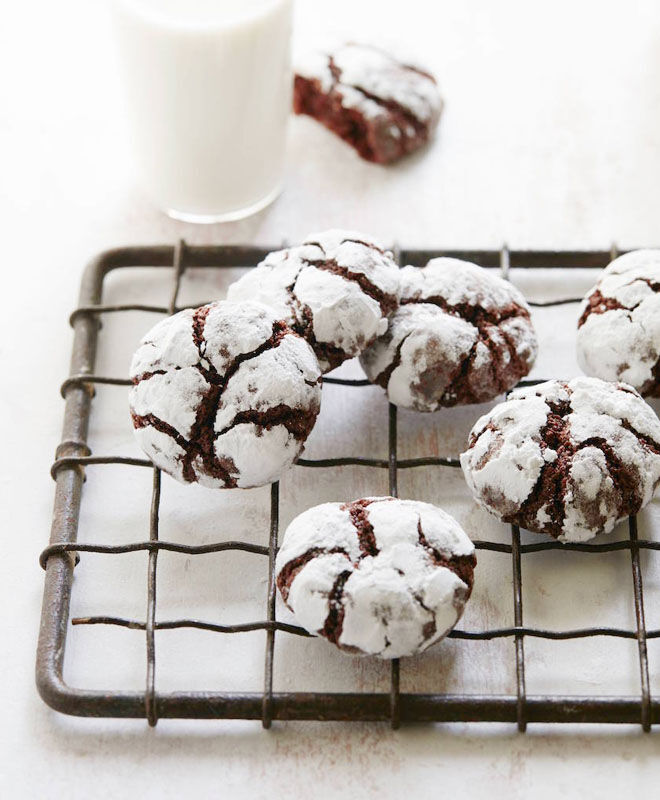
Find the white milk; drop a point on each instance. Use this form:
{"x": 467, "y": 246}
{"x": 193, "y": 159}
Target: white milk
{"x": 208, "y": 86}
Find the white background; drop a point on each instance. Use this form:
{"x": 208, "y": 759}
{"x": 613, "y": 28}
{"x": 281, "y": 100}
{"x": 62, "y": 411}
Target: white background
{"x": 551, "y": 138}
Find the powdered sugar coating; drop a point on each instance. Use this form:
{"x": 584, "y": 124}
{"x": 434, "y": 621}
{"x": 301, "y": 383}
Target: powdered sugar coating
{"x": 565, "y": 458}
{"x": 619, "y": 327}
{"x": 396, "y": 105}
{"x": 224, "y": 395}
{"x": 336, "y": 289}
{"x": 377, "y": 576}
{"x": 460, "y": 335}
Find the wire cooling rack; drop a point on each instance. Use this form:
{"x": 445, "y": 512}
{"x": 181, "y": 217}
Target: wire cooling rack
{"x": 59, "y": 559}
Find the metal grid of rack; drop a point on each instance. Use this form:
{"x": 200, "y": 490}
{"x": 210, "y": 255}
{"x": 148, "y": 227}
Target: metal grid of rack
{"x": 59, "y": 559}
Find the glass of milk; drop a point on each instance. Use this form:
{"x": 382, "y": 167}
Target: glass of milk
{"x": 208, "y": 87}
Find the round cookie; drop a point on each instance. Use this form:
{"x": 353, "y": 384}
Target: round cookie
{"x": 337, "y": 290}
{"x": 224, "y": 395}
{"x": 569, "y": 459}
{"x": 378, "y": 576}
{"x": 461, "y": 335}
{"x": 619, "y": 326}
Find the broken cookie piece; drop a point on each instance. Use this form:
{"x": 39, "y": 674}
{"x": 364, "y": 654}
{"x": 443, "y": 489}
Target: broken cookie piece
{"x": 379, "y": 105}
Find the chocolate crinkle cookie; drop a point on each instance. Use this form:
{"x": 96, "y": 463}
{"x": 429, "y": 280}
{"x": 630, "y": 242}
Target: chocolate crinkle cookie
{"x": 569, "y": 459}
{"x": 337, "y": 290}
{"x": 460, "y": 335}
{"x": 380, "y": 106}
{"x": 378, "y": 576}
{"x": 224, "y": 395}
{"x": 619, "y": 326}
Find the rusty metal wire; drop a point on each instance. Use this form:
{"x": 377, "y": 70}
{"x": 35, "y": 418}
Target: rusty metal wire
{"x": 73, "y": 456}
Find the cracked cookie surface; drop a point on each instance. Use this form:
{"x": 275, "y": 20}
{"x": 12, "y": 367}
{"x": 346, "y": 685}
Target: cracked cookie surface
{"x": 337, "y": 290}
{"x": 224, "y": 395}
{"x": 619, "y": 326}
{"x": 380, "y": 106}
{"x": 569, "y": 459}
{"x": 377, "y": 576}
{"x": 460, "y": 335}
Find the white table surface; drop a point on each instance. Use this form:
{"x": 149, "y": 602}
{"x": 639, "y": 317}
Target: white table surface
{"x": 551, "y": 138}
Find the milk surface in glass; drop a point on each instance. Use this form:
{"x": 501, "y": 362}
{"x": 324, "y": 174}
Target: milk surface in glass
{"x": 208, "y": 90}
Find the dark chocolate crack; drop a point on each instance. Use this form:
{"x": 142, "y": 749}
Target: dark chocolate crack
{"x": 551, "y": 485}
{"x": 365, "y": 531}
{"x": 304, "y": 326}
{"x": 457, "y": 385}
{"x": 496, "y": 444}
{"x": 198, "y": 325}
{"x": 370, "y": 245}
{"x": 430, "y": 628}
{"x": 475, "y": 314}
{"x": 313, "y": 244}
{"x": 517, "y": 363}
{"x": 222, "y": 469}
{"x": 648, "y": 442}
{"x": 625, "y": 477}
{"x": 653, "y": 285}
{"x": 598, "y": 303}
{"x": 299, "y": 423}
{"x": 462, "y": 386}
{"x": 291, "y": 298}
{"x": 461, "y": 565}
{"x": 152, "y": 421}
{"x": 387, "y": 302}
{"x": 476, "y": 435}
{"x": 334, "y": 622}
{"x": 145, "y": 376}
{"x": 383, "y": 378}
{"x": 291, "y": 569}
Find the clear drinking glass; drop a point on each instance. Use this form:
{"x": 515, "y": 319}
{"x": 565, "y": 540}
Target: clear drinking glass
{"x": 208, "y": 94}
